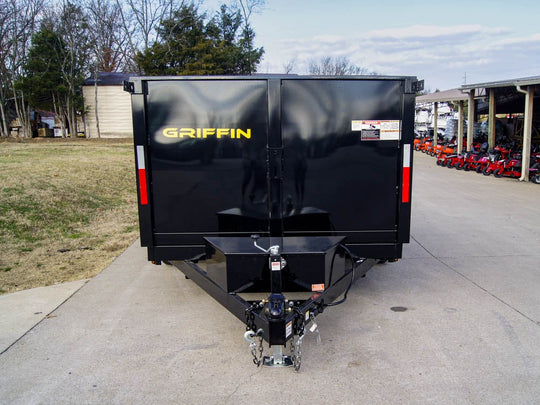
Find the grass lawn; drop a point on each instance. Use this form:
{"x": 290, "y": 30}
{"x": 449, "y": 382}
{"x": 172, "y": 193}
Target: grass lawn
{"x": 67, "y": 209}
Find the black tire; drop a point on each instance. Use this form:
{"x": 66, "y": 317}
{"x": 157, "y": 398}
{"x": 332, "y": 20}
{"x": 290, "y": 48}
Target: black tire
{"x": 536, "y": 179}
{"x": 460, "y": 166}
{"x": 498, "y": 173}
{"x": 486, "y": 171}
{"x": 466, "y": 167}
{"x": 478, "y": 169}
{"x": 438, "y": 162}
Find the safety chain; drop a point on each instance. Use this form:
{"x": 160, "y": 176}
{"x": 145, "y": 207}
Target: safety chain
{"x": 257, "y": 358}
{"x": 250, "y": 337}
{"x": 296, "y": 349}
{"x": 250, "y": 319}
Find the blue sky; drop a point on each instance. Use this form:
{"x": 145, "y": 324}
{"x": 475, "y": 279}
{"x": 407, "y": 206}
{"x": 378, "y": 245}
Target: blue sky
{"x": 436, "y": 41}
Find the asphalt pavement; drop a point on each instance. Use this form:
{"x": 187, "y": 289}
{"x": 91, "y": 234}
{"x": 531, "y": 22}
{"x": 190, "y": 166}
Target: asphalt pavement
{"x": 456, "y": 321}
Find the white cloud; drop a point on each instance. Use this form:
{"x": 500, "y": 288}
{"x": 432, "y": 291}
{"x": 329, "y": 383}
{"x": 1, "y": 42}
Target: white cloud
{"x": 441, "y": 53}
{"x": 430, "y": 31}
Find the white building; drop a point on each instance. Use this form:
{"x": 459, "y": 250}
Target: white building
{"x": 113, "y": 106}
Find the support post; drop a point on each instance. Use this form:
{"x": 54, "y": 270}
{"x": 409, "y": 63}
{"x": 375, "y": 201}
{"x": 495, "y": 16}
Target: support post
{"x": 527, "y": 132}
{"x": 491, "y": 119}
{"x": 470, "y": 124}
{"x": 460, "y": 128}
{"x": 435, "y": 123}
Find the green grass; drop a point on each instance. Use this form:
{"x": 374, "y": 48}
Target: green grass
{"x": 58, "y": 195}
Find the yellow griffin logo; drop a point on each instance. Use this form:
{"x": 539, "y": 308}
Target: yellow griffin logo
{"x": 232, "y": 133}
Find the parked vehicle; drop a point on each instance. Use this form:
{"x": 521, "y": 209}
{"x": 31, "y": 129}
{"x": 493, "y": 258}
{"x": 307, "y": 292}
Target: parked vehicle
{"x": 425, "y": 145}
{"x": 471, "y": 158}
{"x": 534, "y": 170}
{"x": 503, "y": 167}
{"x": 447, "y": 153}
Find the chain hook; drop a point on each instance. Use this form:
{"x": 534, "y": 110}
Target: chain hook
{"x": 249, "y": 336}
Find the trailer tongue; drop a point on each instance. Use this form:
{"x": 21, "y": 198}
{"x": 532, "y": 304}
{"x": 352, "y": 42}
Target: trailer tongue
{"x": 274, "y": 193}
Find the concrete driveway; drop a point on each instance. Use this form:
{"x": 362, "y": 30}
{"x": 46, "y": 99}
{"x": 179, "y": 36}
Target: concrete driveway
{"x": 470, "y": 334}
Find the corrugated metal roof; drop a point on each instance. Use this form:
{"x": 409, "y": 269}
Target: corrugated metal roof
{"x": 440, "y": 96}
{"x": 524, "y": 81}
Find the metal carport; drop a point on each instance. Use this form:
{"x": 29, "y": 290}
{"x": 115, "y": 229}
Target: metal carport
{"x": 506, "y": 96}
{"x": 453, "y": 95}
{"x": 512, "y": 96}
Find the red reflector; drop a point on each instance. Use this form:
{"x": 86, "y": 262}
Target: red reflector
{"x": 406, "y": 189}
{"x": 143, "y": 192}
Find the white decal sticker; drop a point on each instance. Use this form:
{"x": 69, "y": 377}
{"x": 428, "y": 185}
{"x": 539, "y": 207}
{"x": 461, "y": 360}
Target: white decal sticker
{"x": 377, "y": 130}
{"x": 288, "y": 329}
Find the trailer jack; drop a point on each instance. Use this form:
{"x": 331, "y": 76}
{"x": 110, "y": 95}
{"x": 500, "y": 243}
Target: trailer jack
{"x": 279, "y": 359}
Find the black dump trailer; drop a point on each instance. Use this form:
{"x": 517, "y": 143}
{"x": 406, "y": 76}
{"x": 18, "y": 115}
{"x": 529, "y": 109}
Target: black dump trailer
{"x": 274, "y": 193}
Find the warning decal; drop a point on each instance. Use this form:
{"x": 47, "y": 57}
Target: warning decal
{"x": 377, "y": 130}
{"x": 288, "y": 329}
{"x": 317, "y": 287}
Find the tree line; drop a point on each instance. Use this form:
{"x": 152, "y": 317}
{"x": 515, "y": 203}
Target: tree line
{"x": 48, "y": 49}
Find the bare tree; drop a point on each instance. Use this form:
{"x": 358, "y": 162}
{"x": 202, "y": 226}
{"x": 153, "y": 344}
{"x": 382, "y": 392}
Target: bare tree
{"x": 340, "y": 66}
{"x": 18, "y": 19}
{"x": 74, "y": 30}
{"x": 108, "y": 43}
{"x": 139, "y": 20}
{"x": 290, "y": 66}
{"x": 248, "y": 7}
{"x": 5, "y": 16}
